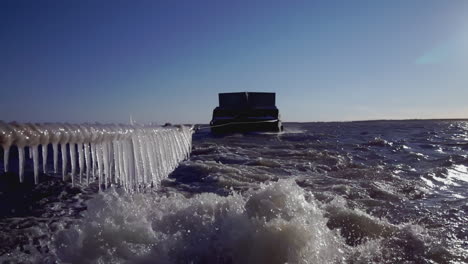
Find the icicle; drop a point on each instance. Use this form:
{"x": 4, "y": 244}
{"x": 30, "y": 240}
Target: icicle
{"x": 6, "y": 155}
{"x": 110, "y": 155}
{"x": 144, "y": 160}
{"x": 176, "y": 149}
{"x": 44, "y": 158}
{"x": 157, "y": 145}
{"x": 42, "y": 137}
{"x": 185, "y": 142}
{"x": 131, "y": 167}
{"x": 130, "y": 175}
{"x": 156, "y": 162}
{"x": 167, "y": 149}
{"x": 7, "y": 136}
{"x": 128, "y": 166}
{"x": 35, "y": 154}
{"x": 99, "y": 163}
{"x": 106, "y": 164}
{"x": 121, "y": 164}
{"x": 164, "y": 152}
{"x": 88, "y": 161}
{"x": 73, "y": 162}
{"x": 151, "y": 158}
{"x": 55, "y": 152}
{"x": 116, "y": 162}
{"x": 63, "y": 150}
{"x": 94, "y": 159}
{"x": 21, "y": 163}
{"x": 80, "y": 160}
{"x": 136, "y": 153}
{"x": 125, "y": 165}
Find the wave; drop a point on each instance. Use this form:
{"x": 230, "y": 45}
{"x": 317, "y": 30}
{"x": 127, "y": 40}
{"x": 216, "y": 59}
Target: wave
{"x": 274, "y": 224}
{"x": 277, "y": 223}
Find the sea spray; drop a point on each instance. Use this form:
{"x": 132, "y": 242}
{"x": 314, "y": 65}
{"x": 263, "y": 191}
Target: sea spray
{"x": 274, "y": 224}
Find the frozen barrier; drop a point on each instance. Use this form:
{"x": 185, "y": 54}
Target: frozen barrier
{"x": 133, "y": 156}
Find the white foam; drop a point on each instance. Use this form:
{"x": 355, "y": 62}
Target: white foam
{"x": 274, "y": 224}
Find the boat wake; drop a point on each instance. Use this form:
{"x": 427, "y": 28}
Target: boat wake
{"x": 277, "y": 223}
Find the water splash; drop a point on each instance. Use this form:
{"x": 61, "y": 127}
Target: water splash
{"x": 274, "y": 224}
{"x": 133, "y": 156}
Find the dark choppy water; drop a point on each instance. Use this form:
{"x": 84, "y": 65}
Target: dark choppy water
{"x": 355, "y": 192}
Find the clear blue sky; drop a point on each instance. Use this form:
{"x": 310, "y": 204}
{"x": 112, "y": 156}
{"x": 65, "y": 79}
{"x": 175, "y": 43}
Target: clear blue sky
{"x": 78, "y": 61}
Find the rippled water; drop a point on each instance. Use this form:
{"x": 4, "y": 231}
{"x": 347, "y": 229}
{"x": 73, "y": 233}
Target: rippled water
{"x": 354, "y": 192}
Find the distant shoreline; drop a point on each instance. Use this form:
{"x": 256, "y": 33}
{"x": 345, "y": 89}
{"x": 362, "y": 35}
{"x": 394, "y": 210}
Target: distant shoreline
{"x": 370, "y": 120}
{"x": 384, "y": 120}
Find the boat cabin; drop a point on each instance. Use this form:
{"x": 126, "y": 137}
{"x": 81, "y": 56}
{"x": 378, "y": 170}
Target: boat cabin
{"x": 246, "y": 111}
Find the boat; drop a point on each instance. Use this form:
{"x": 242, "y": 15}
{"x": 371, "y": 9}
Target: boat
{"x": 246, "y": 112}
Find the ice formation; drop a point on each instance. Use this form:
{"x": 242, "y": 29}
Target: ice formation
{"x": 133, "y": 156}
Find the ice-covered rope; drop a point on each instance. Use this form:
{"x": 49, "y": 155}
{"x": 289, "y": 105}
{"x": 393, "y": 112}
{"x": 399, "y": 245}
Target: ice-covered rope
{"x": 130, "y": 155}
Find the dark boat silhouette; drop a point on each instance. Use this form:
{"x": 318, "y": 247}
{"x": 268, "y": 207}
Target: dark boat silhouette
{"x": 246, "y": 111}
